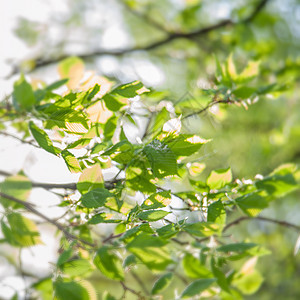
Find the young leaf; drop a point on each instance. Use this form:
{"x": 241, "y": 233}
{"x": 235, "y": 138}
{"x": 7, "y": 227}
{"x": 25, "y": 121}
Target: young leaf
{"x": 95, "y": 198}
{"x": 76, "y": 290}
{"x": 102, "y": 218}
{"x": 151, "y": 250}
{"x": 43, "y": 139}
{"x": 76, "y": 267}
{"x": 203, "y": 229}
{"x": 23, "y": 95}
{"x": 22, "y": 232}
{"x": 186, "y": 144}
{"x": 152, "y": 215}
{"x": 162, "y": 283}
{"x": 161, "y": 158}
{"x": 17, "y": 186}
{"x": 44, "y": 288}
{"x": 157, "y": 200}
{"x": 220, "y": 276}
{"x": 71, "y": 161}
{"x": 109, "y": 264}
{"x": 91, "y": 178}
{"x": 219, "y": 178}
{"x": 252, "y": 204}
{"x": 280, "y": 182}
{"x": 129, "y": 90}
{"x": 216, "y": 213}
{"x": 197, "y": 287}
{"x": 193, "y": 268}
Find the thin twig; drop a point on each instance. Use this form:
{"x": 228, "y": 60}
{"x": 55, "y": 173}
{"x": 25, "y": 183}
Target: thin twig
{"x": 30, "y": 208}
{"x": 265, "y": 219}
{"x": 111, "y": 237}
{"x": 69, "y": 186}
{"x": 140, "y": 282}
{"x": 126, "y": 288}
{"x": 19, "y": 139}
{"x": 209, "y": 105}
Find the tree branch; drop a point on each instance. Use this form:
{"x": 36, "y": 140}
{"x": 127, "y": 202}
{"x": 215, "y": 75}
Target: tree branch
{"x": 69, "y": 186}
{"x": 42, "y": 62}
{"x": 265, "y": 219}
{"x": 31, "y": 209}
{"x": 209, "y": 105}
{"x": 19, "y": 139}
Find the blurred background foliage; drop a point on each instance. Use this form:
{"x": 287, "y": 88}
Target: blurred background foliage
{"x": 150, "y": 41}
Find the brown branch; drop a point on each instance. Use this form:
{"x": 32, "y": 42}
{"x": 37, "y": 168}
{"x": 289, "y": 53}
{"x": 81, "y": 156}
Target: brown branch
{"x": 31, "y": 209}
{"x": 19, "y": 139}
{"x": 111, "y": 237}
{"x": 42, "y": 62}
{"x": 264, "y": 219}
{"x": 126, "y": 288}
{"x": 209, "y": 105}
{"x": 69, "y": 186}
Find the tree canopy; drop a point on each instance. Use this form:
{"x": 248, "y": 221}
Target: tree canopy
{"x": 178, "y": 124}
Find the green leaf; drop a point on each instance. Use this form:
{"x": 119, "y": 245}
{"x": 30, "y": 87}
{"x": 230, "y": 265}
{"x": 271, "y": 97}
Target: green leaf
{"x": 71, "y": 120}
{"x": 65, "y": 289}
{"x": 162, "y": 283}
{"x": 76, "y": 267}
{"x": 197, "y": 287}
{"x": 110, "y": 127}
{"x": 21, "y": 232}
{"x": 161, "y": 158}
{"x": 57, "y": 84}
{"x": 220, "y": 276}
{"x": 23, "y": 95}
{"x": 153, "y": 215}
{"x": 157, "y": 200}
{"x": 45, "y": 288}
{"x": 17, "y": 186}
{"x": 81, "y": 143}
{"x": 139, "y": 178}
{"x": 185, "y": 144}
{"x": 248, "y": 279}
{"x": 122, "y": 152}
{"x": 244, "y": 92}
{"x": 203, "y": 229}
{"x": 112, "y": 102}
{"x": 159, "y": 120}
{"x": 219, "y": 178}
{"x": 252, "y": 204}
{"x": 71, "y": 161}
{"x": 280, "y": 182}
{"x": 102, "y": 218}
{"x": 43, "y": 139}
{"x": 236, "y": 247}
{"x": 109, "y": 264}
{"x": 216, "y": 213}
{"x": 130, "y": 234}
{"x": 95, "y": 198}
{"x": 91, "y": 178}
{"x": 129, "y": 90}
{"x": 167, "y": 231}
{"x": 248, "y": 283}
{"x": 107, "y": 296}
{"x": 193, "y": 268}
{"x": 65, "y": 256}
{"x": 129, "y": 261}
{"x": 151, "y": 250}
